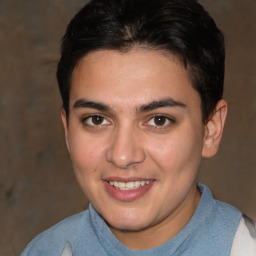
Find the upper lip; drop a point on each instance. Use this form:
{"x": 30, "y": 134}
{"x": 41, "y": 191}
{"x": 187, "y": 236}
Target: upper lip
{"x": 126, "y": 179}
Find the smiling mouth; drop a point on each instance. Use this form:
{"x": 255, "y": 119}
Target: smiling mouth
{"x": 131, "y": 185}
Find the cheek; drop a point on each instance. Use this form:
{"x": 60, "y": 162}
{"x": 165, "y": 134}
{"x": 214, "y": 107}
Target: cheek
{"x": 178, "y": 153}
{"x": 86, "y": 153}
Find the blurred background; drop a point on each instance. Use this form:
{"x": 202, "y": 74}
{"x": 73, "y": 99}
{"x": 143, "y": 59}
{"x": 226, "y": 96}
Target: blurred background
{"x": 37, "y": 185}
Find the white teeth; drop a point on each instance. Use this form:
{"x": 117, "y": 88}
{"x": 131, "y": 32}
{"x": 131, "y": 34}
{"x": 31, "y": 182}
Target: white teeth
{"x": 129, "y": 185}
{"x": 121, "y": 185}
{"x": 137, "y": 184}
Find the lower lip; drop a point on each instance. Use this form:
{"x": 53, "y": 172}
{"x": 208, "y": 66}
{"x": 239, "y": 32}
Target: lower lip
{"x": 127, "y": 195}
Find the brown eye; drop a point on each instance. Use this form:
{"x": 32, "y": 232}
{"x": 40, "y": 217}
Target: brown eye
{"x": 159, "y": 120}
{"x": 97, "y": 120}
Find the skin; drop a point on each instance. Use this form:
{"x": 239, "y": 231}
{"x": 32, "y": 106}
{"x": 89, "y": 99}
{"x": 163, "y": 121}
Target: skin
{"x": 128, "y": 142}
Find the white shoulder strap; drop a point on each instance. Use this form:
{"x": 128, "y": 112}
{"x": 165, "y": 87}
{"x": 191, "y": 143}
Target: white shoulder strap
{"x": 244, "y": 243}
{"x": 67, "y": 251}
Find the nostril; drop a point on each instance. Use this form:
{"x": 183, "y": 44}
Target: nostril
{"x": 125, "y": 149}
{"x": 127, "y": 158}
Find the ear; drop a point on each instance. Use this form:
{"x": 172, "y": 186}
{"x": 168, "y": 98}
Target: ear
{"x": 65, "y": 125}
{"x": 214, "y": 129}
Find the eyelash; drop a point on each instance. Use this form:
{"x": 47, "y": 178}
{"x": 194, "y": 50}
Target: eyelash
{"x": 169, "y": 120}
{"x": 166, "y": 119}
{"x": 86, "y": 121}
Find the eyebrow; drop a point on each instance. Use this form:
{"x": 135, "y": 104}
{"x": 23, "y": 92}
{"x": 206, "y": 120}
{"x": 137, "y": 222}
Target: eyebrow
{"x": 83, "y": 103}
{"x": 167, "y": 102}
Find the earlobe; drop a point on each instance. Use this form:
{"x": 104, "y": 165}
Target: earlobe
{"x": 214, "y": 129}
{"x": 65, "y": 125}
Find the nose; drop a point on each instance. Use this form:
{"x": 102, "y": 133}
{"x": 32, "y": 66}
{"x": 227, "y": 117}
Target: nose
{"x": 125, "y": 149}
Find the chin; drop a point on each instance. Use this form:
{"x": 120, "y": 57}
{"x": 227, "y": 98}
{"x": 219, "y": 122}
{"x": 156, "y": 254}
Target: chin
{"x": 128, "y": 227}
{"x": 128, "y": 222}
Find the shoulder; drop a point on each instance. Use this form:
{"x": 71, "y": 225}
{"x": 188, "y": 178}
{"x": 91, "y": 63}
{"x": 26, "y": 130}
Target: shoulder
{"x": 228, "y": 214}
{"x": 225, "y": 219}
{"x": 218, "y": 208}
{"x": 244, "y": 243}
{"x": 226, "y": 209}
{"x": 222, "y": 218}
{"x": 55, "y": 238}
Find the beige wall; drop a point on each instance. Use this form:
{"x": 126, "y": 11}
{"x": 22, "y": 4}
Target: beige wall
{"x": 37, "y": 186}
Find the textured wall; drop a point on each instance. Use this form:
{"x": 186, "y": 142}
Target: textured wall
{"x": 37, "y": 186}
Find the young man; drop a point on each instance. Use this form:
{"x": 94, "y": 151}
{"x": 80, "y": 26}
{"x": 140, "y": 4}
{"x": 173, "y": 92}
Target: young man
{"x": 141, "y": 83}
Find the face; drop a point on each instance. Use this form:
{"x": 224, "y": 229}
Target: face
{"x": 135, "y": 136}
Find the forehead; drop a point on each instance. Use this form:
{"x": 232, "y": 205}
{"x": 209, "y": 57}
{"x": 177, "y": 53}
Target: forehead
{"x": 136, "y": 76}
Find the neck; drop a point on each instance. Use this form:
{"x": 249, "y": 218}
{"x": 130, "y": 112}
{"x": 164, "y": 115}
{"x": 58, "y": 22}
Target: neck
{"x": 163, "y": 231}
